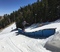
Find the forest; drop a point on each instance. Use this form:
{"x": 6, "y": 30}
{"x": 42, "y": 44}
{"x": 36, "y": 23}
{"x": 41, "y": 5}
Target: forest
{"x": 38, "y": 12}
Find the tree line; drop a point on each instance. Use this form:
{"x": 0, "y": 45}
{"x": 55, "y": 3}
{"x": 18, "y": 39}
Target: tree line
{"x": 40, "y": 11}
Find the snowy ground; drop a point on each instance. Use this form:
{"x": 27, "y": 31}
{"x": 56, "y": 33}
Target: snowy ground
{"x": 51, "y": 25}
{"x": 9, "y": 42}
{"x": 8, "y": 29}
{"x": 53, "y": 44}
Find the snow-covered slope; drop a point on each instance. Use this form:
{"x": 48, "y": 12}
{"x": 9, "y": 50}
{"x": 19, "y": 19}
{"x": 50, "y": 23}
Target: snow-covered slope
{"x": 22, "y": 43}
{"x": 8, "y": 29}
{"x": 9, "y": 42}
{"x": 51, "y": 25}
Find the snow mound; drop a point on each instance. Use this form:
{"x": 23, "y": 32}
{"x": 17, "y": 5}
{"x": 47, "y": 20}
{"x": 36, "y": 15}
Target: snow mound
{"x": 53, "y": 44}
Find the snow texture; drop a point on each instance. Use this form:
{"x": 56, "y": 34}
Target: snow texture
{"x": 9, "y": 42}
{"x": 53, "y": 44}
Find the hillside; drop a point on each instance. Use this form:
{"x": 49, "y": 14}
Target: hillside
{"x": 40, "y": 11}
{"x": 9, "y": 42}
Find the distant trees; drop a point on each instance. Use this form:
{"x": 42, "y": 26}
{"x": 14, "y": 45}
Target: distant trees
{"x": 40, "y": 11}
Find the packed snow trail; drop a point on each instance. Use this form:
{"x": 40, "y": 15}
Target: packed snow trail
{"x": 2, "y": 36}
{"x": 21, "y": 43}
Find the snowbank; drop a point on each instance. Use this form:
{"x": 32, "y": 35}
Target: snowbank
{"x": 53, "y": 44}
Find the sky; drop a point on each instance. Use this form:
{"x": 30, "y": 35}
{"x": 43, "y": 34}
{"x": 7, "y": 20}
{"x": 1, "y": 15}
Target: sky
{"x": 8, "y": 6}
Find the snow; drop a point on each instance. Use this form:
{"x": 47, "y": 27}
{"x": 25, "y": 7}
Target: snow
{"x": 8, "y": 29}
{"x": 53, "y": 44}
{"x": 51, "y": 25}
{"x": 9, "y": 42}
{"x": 21, "y": 43}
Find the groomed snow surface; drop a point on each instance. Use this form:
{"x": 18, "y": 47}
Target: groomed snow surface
{"x": 9, "y": 42}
